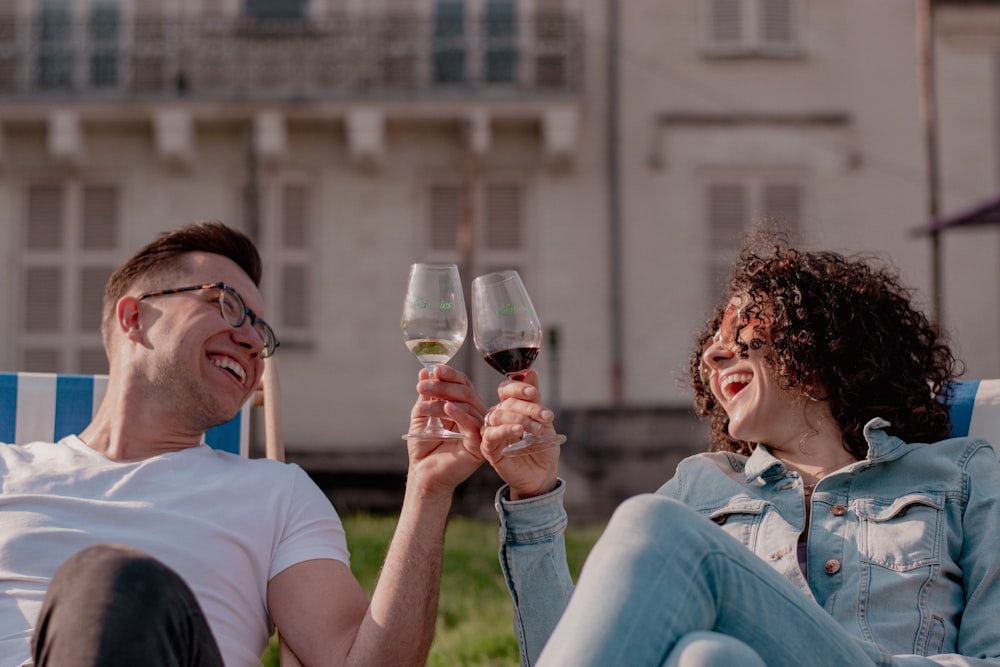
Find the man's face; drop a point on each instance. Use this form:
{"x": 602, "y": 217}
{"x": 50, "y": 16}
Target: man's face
{"x": 199, "y": 364}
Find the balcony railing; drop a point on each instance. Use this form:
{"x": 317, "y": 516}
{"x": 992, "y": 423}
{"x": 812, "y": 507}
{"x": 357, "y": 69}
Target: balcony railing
{"x": 378, "y": 56}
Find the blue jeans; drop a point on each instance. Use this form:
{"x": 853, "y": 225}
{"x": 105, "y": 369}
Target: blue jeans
{"x": 663, "y": 581}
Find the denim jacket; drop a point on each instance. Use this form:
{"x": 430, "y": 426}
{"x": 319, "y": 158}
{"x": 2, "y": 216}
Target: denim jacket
{"x": 903, "y": 549}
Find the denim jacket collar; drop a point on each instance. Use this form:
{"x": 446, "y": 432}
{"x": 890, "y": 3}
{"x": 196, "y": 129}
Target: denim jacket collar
{"x": 762, "y": 466}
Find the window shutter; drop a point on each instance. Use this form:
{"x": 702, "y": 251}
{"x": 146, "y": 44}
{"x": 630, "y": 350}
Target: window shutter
{"x": 92, "y": 360}
{"x": 503, "y": 217}
{"x": 551, "y": 44}
{"x": 45, "y": 217}
{"x": 42, "y": 360}
{"x": 782, "y": 203}
{"x": 149, "y": 55}
{"x": 400, "y": 42}
{"x": 295, "y": 288}
{"x": 8, "y": 52}
{"x": 728, "y": 208}
{"x": 727, "y": 212}
{"x": 445, "y": 216}
{"x": 70, "y": 250}
{"x": 295, "y": 216}
{"x": 100, "y": 217}
{"x": 776, "y": 27}
{"x": 726, "y": 28}
{"x": 43, "y": 307}
{"x": 91, "y": 297}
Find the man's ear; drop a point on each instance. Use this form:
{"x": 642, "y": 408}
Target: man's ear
{"x": 127, "y": 316}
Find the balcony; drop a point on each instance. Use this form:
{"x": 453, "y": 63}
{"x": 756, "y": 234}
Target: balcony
{"x": 393, "y": 55}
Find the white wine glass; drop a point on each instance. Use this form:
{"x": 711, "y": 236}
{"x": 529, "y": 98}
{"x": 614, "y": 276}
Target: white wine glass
{"x": 508, "y": 334}
{"x": 434, "y": 324}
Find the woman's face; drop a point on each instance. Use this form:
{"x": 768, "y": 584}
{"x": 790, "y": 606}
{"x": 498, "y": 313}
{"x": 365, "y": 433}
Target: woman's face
{"x": 759, "y": 408}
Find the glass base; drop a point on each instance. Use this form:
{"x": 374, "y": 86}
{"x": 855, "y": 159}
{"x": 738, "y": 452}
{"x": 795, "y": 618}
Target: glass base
{"x": 532, "y": 444}
{"x": 440, "y": 433}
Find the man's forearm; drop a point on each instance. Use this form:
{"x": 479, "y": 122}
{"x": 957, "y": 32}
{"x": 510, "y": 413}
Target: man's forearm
{"x": 399, "y": 627}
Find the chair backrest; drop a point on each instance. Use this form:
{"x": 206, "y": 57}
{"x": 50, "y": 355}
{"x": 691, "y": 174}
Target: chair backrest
{"x": 975, "y": 410}
{"x": 48, "y": 406}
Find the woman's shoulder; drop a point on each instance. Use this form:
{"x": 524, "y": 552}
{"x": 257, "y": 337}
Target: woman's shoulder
{"x": 959, "y": 449}
{"x": 705, "y": 473}
{"x": 725, "y": 462}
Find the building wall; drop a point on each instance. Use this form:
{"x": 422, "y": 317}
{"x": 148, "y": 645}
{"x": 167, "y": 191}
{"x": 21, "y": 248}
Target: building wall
{"x": 839, "y": 118}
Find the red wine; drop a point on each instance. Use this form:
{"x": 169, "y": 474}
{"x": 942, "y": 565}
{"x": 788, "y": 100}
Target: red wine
{"x": 514, "y": 360}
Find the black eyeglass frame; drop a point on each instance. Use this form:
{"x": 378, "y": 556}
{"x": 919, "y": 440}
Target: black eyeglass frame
{"x": 261, "y": 327}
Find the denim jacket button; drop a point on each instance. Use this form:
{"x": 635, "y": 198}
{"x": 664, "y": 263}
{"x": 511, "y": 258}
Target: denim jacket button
{"x": 832, "y": 566}
{"x": 838, "y": 510}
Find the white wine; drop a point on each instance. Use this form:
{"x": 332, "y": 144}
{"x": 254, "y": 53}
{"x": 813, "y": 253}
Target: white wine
{"x": 434, "y": 351}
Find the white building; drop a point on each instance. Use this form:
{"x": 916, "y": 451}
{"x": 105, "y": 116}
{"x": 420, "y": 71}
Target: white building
{"x": 610, "y": 151}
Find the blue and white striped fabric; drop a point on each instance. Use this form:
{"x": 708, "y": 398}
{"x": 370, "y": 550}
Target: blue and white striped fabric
{"x": 975, "y": 410}
{"x": 48, "y": 406}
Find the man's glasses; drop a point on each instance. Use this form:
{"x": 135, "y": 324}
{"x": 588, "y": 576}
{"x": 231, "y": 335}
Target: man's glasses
{"x": 234, "y": 311}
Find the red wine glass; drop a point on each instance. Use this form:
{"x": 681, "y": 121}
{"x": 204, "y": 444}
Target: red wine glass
{"x": 508, "y": 334}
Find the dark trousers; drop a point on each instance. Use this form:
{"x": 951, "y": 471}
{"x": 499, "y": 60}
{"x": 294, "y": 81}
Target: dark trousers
{"x": 113, "y": 606}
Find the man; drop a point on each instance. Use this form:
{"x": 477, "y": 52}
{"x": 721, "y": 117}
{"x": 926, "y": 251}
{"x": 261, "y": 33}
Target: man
{"x": 153, "y": 534}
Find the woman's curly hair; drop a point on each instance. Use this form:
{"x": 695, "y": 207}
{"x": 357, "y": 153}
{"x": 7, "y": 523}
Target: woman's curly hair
{"x": 839, "y": 329}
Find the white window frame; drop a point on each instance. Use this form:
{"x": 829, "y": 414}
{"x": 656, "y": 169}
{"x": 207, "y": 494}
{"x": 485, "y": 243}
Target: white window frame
{"x": 484, "y": 259}
{"x": 276, "y": 256}
{"x": 754, "y": 184}
{"x": 71, "y": 258}
{"x": 751, "y": 41}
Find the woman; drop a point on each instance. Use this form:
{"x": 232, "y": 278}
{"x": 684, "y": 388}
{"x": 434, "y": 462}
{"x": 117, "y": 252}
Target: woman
{"x": 836, "y": 535}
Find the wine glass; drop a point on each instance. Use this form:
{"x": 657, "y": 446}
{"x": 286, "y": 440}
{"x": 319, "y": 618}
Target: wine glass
{"x": 507, "y": 332}
{"x": 434, "y": 324}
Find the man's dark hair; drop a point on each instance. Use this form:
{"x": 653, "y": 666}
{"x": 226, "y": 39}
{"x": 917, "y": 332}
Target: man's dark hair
{"x": 166, "y": 255}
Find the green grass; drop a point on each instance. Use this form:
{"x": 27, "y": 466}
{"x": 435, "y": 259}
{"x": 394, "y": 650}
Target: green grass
{"x": 474, "y": 625}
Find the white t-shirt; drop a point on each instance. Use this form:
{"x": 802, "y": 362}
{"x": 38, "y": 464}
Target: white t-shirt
{"x": 226, "y": 524}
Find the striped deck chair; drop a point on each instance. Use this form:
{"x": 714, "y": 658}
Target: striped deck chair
{"x": 975, "y": 410}
{"x": 47, "y": 406}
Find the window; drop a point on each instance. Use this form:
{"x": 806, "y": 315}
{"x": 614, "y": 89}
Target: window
{"x": 55, "y": 45}
{"x": 449, "y": 41}
{"x": 733, "y": 205}
{"x": 752, "y": 28}
{"x": 284, "y": 9}
{"x": 285, "y": 240}
{"x": 552, "y": 44}
{"x": 151, "y": 42}
{"x": 400, "y": 44}
{"x": 9, "y": 29}
{"x": 495, "y": 211}
{"x": 103, "y": 42}
{"x": 76, "y": 50}
{"x": 501, "y": 42}
{"x": 447, "y": 202}
{"x": 71, "y": 247}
